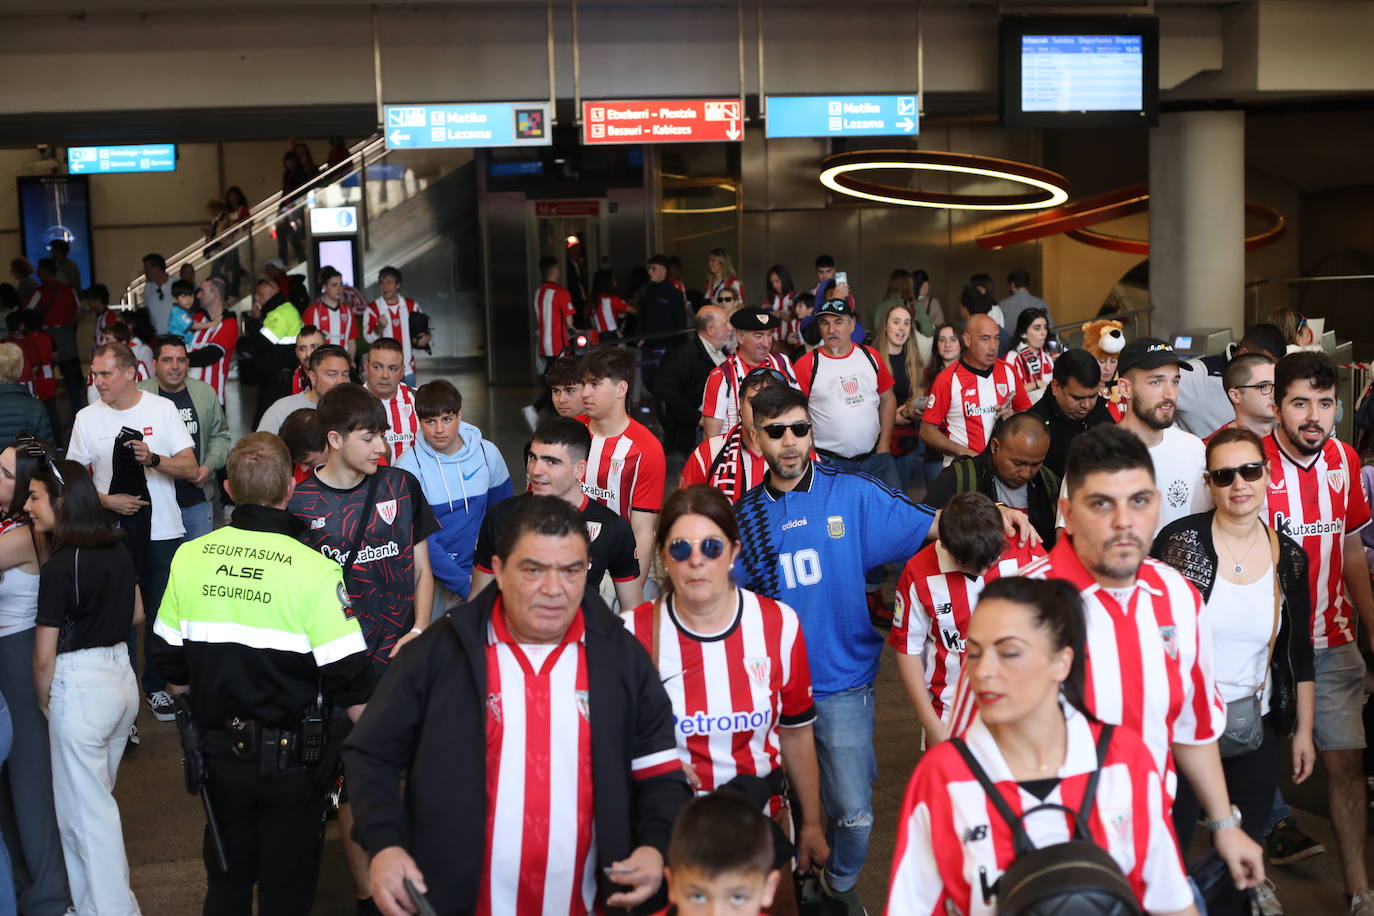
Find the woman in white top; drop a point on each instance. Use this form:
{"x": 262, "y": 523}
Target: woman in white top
{"x": 28, "y": 776}
{"x": 720, "y": 276}
{"x": 1253, "y": 582}
{"x": 1037, "y": 746}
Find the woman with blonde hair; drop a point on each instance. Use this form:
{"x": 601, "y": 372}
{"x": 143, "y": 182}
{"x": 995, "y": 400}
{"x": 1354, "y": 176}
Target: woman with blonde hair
{"x": 720, "y": 276}
{"x": 898, "y": 348}
{"x": 1293, "y": 324}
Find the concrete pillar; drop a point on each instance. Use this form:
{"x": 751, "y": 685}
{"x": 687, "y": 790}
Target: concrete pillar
{"x": 1197, "y": 221}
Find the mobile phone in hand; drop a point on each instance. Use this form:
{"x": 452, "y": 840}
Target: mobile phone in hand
{"x": 422, "y": 904}
{"x": 841, "y": 278}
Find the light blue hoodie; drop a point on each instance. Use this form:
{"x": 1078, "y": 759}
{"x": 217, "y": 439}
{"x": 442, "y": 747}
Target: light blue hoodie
{"x": 458, "y": 488}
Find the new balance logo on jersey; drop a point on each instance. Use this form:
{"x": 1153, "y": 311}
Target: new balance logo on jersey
{"x": 976, "y": 834}
{"x": 704, "y": 724}
{"x": 1285, "y": 525}
{"x": 317, "y": 523}
{"x": 944, "y": 608}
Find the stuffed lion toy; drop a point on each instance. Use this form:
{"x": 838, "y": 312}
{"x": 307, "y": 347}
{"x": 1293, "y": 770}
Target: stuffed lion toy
{"x": 1105, "y": 339}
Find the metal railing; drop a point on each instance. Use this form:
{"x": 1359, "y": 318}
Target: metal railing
{"x": 1135, "y": 321}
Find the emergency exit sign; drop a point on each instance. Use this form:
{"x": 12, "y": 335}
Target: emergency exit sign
{"x": 663, "y": 121}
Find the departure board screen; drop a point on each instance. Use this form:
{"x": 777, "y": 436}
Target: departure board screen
{"x": 1081, "y": 72}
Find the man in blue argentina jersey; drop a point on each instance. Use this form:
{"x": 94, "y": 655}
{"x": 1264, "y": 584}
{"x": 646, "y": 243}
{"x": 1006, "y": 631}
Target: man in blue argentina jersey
{"x": 809, "y": 532}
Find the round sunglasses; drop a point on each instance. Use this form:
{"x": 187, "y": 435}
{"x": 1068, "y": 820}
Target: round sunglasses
{"x": 680, "y": 549}
{"x": 1224, "y": 477}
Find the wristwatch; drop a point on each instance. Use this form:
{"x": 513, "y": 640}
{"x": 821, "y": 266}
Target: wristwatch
{"x": 1226, "y": 823}
{"x": 154, "y": 460}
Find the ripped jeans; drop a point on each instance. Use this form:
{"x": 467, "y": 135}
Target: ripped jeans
{"x": 844, "y": 748}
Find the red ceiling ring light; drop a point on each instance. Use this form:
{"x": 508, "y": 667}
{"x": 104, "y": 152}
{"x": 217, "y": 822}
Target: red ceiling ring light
{"x": 1074, "y": 219}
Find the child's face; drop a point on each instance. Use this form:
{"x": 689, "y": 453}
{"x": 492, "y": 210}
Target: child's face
{"x": 803, "y": 310}
{"x": 732, "y": 893}
{"x": 441, "y": 431}
{"x": 388, "y": 285}
{"x": 360, "y": 450}
{"x": 187, "y": 301}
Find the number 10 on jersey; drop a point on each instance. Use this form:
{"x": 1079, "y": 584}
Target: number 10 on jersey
{"x": 800, "y": 568}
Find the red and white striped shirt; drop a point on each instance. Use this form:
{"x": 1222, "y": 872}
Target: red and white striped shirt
{"x": 963, "y": 402}
{"x": 731, "y": 690}
{"x": 780, "y": 304}
{"x": 606, "y": 314}
{"x": 627, "y": 471}
{"x": 353, "y": 299}
{"x": 953, "y": 845}
{"x": 383, "y": 319}
{"x": 1148, "y": 662}
{"x": 338, "y": 325}
{"x": 225, "y": 335}
{"x": 931, "y": 612}
{"x": 1317, "y": 506}
{"x": 102, "y": 324}
{"x": 299, "y": 381}
{"x": 748, "y": 471}
{"x": 38, "y": 374}
{"x": 552, "y": 306}
{"x": 1033, "y": 366}
{"x": 714, "y": 290}
{"x": 540, "y": 832}
{"x": 402, "y": 423}
{"x": 720, "y": 399}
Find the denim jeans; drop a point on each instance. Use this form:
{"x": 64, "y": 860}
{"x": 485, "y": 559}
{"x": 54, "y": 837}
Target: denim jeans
{"x": 93, "y": 701}
{"x": 844, "y": 748}
{"x": 152, "y": 582}
{"x": 198, "y": 520}
{"x": 7, "y": 906}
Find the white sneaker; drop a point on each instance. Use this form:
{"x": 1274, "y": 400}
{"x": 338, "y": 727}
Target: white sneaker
{"x": 164, "y": 710}
{"x": 134, "y": 739}
{"x": 1266, "y": 901}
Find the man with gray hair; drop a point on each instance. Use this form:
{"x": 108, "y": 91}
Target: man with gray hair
{"x": 681, "y": 378}
{"x": 212, "y": 348}
{"x": 19, "y": 410}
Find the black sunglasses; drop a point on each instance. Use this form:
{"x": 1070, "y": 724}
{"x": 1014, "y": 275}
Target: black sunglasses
{"x": 726, "y": 299}
{"x": 1224, "y": 477}
{"x": 775, "y": 430}
{"x": 680, "y": 549}
{"x": 759, "y": 372}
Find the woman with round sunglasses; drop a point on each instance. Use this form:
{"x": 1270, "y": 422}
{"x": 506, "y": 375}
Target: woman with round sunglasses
{"x": 1254, "y": 585}
{"x": 734, "y": 665}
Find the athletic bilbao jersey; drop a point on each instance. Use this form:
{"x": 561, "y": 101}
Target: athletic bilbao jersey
{"x": 810, "y": 547}
{"x": 606, "y": 313}
{"x": 1148, "y": 663}
{"x": 964, "y": 401}
{"x": 730, "y": 690}
{"x": 1032, "y": 366}
{"x": 734, "y": 475}
{"x": 612, "y": 548}
{"x": 403, "y": 425}
{"x": 731, "y": 283}
{"x": 931, "y": 612}
{"x": 300, "y": 382}
{"x": 1317, "y": 505}
{"x": 720, "y": 399}
{"x": 540, "y": 832}
{"x": 38, "y": 374}
{"x": 627, "y": 471}
{"x": 100, "y": 325}
{"x": 953, "y": 845}
{"x": 338, "y": 325}
{"x": 780, "y": 304}
{"x": 381, "y": 584}
{"x": 385, "y": 319}
{"x": 552, "y": 306}
{"x": 224, "y": 335}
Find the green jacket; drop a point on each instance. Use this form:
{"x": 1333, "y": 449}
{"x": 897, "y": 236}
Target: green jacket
{"x": 212, "y": 436}
{"x": 282, "y": 324}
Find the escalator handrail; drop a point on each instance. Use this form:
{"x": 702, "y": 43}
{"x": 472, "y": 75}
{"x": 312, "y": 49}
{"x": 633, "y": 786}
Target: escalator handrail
{"x": 268, "y": 209}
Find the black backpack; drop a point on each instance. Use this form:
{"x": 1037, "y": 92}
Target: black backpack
{"x": 1076, "y": 878}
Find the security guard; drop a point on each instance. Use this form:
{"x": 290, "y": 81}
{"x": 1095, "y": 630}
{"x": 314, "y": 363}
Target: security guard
{"x": 254, "y": 625}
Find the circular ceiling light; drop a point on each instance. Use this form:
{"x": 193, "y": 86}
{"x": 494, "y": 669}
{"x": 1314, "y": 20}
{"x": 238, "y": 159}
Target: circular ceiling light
{"x": 1050, "y": 188}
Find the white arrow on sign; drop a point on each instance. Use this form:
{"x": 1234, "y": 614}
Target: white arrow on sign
{"x": 906, "y": 124}
{"x": 397, "y": 137}
{"x": 732, "y": 132}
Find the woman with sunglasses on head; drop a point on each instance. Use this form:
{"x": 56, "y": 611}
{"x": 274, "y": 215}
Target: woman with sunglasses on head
{"x": 720, "y": 276}
{"x": 734, "y": 665}
{"x": 1036, "y": 745}
{"x": 88, "y": 599}
{"x": 26, "y": 797}
{"x": 1254, "y": 585}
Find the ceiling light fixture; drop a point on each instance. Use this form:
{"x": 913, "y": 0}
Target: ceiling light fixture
{"x": 1051, "y": 188}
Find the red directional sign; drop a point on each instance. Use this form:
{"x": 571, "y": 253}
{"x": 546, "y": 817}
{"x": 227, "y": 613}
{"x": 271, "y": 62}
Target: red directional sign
{"x": 663, "y": 121}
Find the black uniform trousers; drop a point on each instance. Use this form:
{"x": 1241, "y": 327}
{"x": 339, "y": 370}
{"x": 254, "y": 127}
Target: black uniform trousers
{"x": 273, "y": 830}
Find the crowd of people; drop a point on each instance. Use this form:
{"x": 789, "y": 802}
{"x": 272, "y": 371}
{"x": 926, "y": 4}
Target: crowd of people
{"x": 1101, "y": 618}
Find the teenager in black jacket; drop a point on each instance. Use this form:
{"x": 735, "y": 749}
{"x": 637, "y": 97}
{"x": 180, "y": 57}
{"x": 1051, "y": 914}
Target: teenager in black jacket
{"x": 469, "y": 834}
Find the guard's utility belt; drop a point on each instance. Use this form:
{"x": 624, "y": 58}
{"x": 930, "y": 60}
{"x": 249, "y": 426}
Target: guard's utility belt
{"x": 274, "y": 749}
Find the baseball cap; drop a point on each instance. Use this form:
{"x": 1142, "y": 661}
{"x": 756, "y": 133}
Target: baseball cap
{"x": 1148, "y": 353}
{"x": 835, "y": 307}
{"x": 753, "y": 318}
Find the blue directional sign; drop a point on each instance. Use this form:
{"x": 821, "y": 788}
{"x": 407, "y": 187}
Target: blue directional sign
{"x": 99, "y": 160}
{"x": 842, "y": 116}
{"x": 468, "y": 124}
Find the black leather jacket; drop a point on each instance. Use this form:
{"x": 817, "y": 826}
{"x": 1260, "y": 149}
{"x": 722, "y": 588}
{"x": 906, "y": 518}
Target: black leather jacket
{"x": 1186, "y": 545}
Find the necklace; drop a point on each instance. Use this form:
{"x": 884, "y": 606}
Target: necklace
{"x": 1238, "y": 567}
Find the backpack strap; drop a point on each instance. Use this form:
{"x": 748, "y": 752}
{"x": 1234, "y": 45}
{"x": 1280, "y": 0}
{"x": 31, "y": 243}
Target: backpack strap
{"x": 1022, "y": 842}
{"x": 1104, "y": 740}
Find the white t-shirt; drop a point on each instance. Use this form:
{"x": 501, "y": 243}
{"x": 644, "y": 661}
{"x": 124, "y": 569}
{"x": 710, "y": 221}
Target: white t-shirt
{"x": 1179, "y": 459}
{"x": 1242, "y": 620}
{"x": 93, "y": 437}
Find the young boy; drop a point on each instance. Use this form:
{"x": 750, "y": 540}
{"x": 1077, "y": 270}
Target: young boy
{"x": 721, "y": 859}
{"x": 389, "y": 316}
{"x": 329, "y": 313}
{"x": 305, "y": 441}
{"x": 96, "y": 300}
{"x": 462, "y": 475}
{"x": 181, "y": 319}
{"x": 626, "y": 467}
